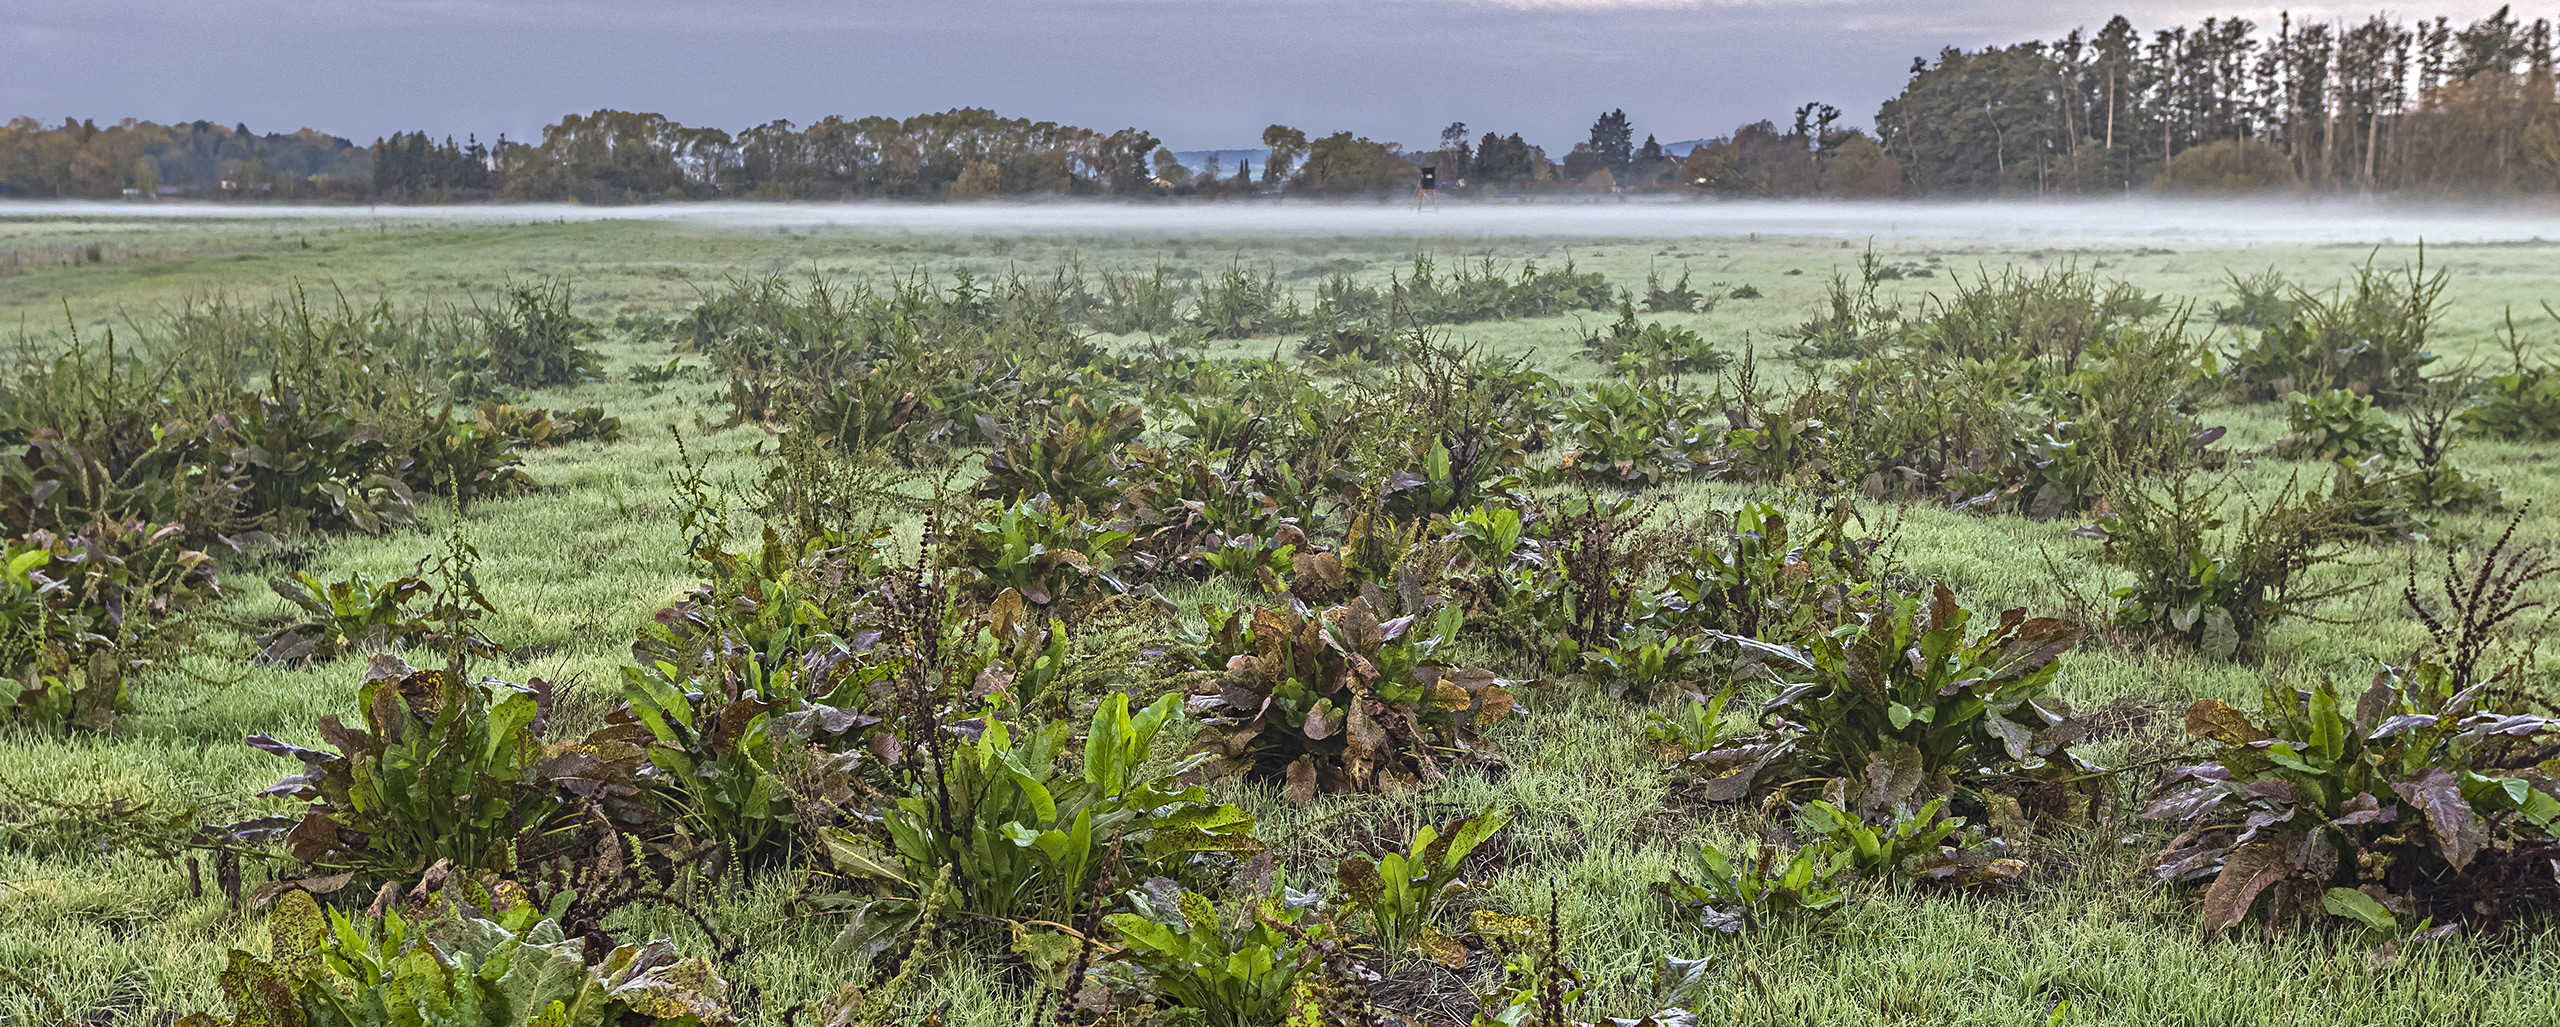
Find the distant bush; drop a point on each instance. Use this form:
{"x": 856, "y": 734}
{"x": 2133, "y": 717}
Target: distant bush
{"x": 2257, "y": 300}
{"x": 1422, "y": 296}
{"x": 1680, "y": 297}
{"x": 2219, "y": 590}
{"x": 1241, "y": 304}
{"x": 2337, "y": 425}
{"x": 2227, "y": 164}
{"x": 2522, "y": 405}
{"x": 2370, "y": 338}
{"x": 533, "y": 341}
{"x": 1650, "y": 348}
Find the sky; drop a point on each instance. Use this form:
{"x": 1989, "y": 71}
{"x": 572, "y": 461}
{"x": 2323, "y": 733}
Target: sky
{"x": 1197, "y": 73}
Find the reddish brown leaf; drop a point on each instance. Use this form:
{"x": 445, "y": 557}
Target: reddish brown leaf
{"x": 1321, "y": 571}
{"x": 1301, "y": 787}
{"x": 2247, "y": 871}
{"x": 1005, "y": 613}
{"x": 2459, "y": 831}
{"x": 1866, "y": 668}
{"x": 1361, "y": 631}
{"x": 1322, "y": 721}
{"x": 2037, "y": 642}
{"x": 313, "y": 838}
{"x": 1363, "y": 736}
{"x": 2215, "y": 719}
{"x": 735, "y": 718}
{"x": 2375, "y": 702}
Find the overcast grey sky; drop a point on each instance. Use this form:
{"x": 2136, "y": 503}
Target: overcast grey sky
{"x": 1198, "y": 73}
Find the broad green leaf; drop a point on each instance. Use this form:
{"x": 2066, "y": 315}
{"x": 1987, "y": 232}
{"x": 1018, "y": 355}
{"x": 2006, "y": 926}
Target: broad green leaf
{"x": 2348, "y": 902}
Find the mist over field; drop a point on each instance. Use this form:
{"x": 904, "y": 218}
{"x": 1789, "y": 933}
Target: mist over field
{"x": 2189, "y": 222}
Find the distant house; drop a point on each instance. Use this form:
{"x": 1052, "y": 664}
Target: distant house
{"x": 133, "y": 194}
{"x": 168, "y": 190}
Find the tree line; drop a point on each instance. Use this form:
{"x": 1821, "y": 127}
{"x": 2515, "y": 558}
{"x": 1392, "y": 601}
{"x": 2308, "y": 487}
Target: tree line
{"x": 608, "y": 156}
{"x": 2374, "y": 105}
{"x": 77, "y": 158}
{"x": 2377, "y": 104}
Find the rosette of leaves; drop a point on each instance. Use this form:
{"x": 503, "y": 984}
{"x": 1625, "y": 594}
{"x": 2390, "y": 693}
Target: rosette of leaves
{"x": 85, "y": 437}
{"x": 2338, "y": 425}
{"x": 534, "y": 428}
{"x": 1446, "y": 471}
{"x": 30, "y": 624}
{"x": 1498, "y": 571}
{"x": 1695, "y": 725}
{"x": 2520, "y": 406}
{"x": 1014, "y": 658}
{"x": 2058, "y": 472}
{"x": 1651, "y": 347}
{"x": 1339, "y": 701}
{"x": 311, "y": 465}
{"x": 1219, "y": 425}
{"x": 1763, "y": 581}
{"x": 714, "y": 755}
{"x": 1399, "y": 890}
{"x": 356, "y": 615}
{"x": 1746, "y": 889}
{"x": 1858, "y": 324}
{"x": 1072, "y": 453}
{"x": 1198, "y": 519}
{"x": 1924, "y": 846}
{"x": 2415, "y": 797}
{"x": 2370, "y": 337}
{"x": 530, "y": 339}
{"x": 1901, "y": 706}
{"x": 1044, "y": 550}
{"x": 586, "y": 424}
{"x": 79, "y": 611}
{"x": 530, "y": 427}
{"x": 1781, "y": 444}
{"x": 1643, "y": 657}
{"x": 781, "y": 614}
{"x": 443, "y": 769}
{"x": 1024, "y": 837}
{"x": 1636, "y": 433}
{"x": 1679, "y": 297}
{"x": 465, "y": 459}
{"x": 1269, "y": 965}
{"x": 870, "y": 408}
{"x": 2257, "y": 300}
{"x": 2218, "y": 590}
{"x": 42, "y": 642}
{"x": 449, "y": 960}
{"x": 1362, "y": 342}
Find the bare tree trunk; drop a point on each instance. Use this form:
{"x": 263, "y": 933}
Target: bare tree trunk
{"x": 2372, "y": 132}
{"x": 2111, "y": 108}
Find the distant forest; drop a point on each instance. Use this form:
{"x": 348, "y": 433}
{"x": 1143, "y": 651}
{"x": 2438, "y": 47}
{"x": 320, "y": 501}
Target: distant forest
{"x": 2380, "y": 105}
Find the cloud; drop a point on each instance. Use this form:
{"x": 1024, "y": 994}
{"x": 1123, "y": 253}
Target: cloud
{"x": 1198, "y": 73}
{"x": 1621, "y": 5}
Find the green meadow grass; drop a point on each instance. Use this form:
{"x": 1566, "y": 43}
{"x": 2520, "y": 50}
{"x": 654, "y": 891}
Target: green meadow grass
{"x": 576, "y": 568}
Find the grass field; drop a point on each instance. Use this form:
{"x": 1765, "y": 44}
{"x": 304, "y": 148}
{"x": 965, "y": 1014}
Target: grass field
{"x": 99, "y": 936}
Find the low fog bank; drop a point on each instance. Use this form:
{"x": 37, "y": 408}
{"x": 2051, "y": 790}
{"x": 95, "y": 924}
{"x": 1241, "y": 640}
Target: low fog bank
{"x": 2133, "y": 221}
